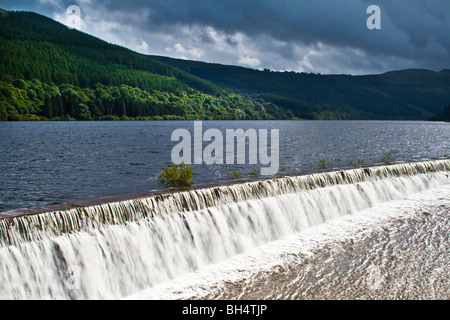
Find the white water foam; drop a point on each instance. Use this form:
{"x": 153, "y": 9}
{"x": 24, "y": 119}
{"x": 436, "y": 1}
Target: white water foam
{"x": 396, "y": 250}
{"x": 116, "y": 250}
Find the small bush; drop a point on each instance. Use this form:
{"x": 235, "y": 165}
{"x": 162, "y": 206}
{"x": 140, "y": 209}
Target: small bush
{"x": 323, "y": 163}
{"x": 386, "y": 158}
{"x": 359, "y": 162}
{"x": 177, "y": 175}
{"x": 254, "y": 172}
{"x": 234, "y": 175}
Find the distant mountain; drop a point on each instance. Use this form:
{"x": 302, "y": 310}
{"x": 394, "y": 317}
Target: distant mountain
{"x": 48, "y": 71}
{"x": 408, "y": 94}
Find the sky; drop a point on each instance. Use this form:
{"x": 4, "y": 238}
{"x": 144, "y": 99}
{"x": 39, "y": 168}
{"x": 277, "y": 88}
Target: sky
{"x": 319, "y": 36}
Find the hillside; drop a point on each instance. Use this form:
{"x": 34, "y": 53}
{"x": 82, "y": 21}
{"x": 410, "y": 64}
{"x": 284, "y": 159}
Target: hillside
{"x": 48, "y": 71}
{"x": 445, "y": 116}
{"x": 407, "y": 94}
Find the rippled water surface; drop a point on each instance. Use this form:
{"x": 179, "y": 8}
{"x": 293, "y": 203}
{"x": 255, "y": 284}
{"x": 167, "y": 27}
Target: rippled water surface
{"x": 54, "y": 162}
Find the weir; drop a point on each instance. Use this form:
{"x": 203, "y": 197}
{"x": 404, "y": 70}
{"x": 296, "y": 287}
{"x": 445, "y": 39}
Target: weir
{"x": 116, "y": 249}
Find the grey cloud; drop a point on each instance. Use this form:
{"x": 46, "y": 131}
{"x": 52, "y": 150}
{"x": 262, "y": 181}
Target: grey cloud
{"x": 414, "y": 33}
{"x": 413, "y": 30}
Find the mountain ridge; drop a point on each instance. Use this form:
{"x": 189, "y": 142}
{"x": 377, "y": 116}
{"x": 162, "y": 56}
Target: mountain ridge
{"x": 423, "y": 105}
{"x": 87, "y": 78}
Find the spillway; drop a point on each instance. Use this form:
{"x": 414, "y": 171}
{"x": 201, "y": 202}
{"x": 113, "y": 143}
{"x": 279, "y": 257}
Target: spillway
{"x": 154, "y": 246}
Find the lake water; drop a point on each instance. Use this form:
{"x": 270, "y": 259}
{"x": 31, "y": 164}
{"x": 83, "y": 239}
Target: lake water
{"x": 54, "y": 162}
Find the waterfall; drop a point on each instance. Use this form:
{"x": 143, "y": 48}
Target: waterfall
{"x": 115, "y": 249}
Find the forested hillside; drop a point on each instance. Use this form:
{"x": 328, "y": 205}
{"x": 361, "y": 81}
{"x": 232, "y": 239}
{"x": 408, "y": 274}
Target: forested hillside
{"x": 412, "y": 94}
{"x": 48, "y": 71}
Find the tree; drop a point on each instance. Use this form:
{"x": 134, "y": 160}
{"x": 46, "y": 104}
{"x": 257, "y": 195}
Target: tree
{"x": 83, "y": 112}
{"x": 47, "y": 108}
{"x": 446, "y": 114}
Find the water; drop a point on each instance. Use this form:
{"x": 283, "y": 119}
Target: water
{"x": 55, "y": 162}
{"x": 395, "y": 250}
{"x": 137, "y": 246}
{"x": 378, "y": 232}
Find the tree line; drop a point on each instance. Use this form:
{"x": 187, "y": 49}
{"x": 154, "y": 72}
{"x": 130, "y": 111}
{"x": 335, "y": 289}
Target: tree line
{"x": 37, "y": 100}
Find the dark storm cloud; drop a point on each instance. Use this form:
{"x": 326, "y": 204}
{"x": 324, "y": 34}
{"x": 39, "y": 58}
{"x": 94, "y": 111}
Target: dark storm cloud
{"x": 325, "y": 35}
{"x": 338, "y": 23}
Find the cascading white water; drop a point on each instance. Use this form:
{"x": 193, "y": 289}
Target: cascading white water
{"x": 114, "y": 250}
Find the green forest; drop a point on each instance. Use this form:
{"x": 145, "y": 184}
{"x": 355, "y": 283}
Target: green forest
{"x": 51, "y": 72}
{"x": 412, "y": 94}
{"x": 36, "y": 100}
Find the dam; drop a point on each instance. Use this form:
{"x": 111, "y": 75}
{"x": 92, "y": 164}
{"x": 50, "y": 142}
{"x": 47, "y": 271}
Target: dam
{"x": 375, "y": 232}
